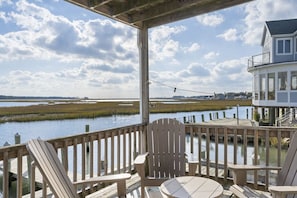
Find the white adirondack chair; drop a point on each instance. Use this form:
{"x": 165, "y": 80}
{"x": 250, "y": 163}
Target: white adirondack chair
{"x": 286, "y": 179}
{"x": 45, "y": 157}
{"x": 166, "y": 156}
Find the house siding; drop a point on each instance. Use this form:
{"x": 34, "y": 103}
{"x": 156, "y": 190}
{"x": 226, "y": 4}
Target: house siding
{"x": 267, "y": 47}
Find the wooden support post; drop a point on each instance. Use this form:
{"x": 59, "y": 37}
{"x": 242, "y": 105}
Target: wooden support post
{"x": 17, "y": 138}
{"x": 144, "y": 73}
{"x": 144, "y": 80}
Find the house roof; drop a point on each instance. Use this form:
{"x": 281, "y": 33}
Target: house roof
{"x": 151, "y": 13}
{"x": 282, "y": 26}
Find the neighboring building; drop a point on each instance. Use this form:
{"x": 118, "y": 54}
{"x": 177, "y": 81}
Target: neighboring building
{"x": 275, "y": 72}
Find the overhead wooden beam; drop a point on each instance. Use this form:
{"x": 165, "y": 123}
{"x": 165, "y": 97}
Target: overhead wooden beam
{"x": 96, "y": 3}
{"x": 132, "y": 5}
{"x": 162, "y": 9}
{"x": 193, "y": 11}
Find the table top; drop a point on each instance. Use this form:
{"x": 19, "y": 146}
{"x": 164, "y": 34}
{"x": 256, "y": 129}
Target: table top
{"x": 189, "y": 186}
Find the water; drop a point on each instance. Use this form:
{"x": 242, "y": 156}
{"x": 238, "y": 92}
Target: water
{"x": 61, "y": 128}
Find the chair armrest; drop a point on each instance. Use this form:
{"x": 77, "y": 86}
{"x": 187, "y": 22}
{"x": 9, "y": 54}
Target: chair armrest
{"x": 104, "y": 178}
{"x": 239, "y": 171}
{"x": 120, "y": 179}
{"x": 139, "y": 163}
{"x": 192, "y": 163}
{"x": 282, "y": 191}
{"x": 191, "y": 158}
{"x": 252, "y": 167}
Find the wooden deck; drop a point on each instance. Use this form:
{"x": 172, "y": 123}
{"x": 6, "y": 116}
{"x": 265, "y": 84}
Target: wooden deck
{"x": 133, "y": 186}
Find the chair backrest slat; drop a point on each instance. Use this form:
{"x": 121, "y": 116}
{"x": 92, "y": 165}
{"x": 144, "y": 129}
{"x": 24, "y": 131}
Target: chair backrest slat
{"x": 47, "y": 161}
{"x": 166, "y": 147}
{"x": 289, "y": 168}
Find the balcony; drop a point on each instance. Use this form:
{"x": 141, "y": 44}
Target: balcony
{"x": 258, "y": 60}
{"x": 113, "y": 151}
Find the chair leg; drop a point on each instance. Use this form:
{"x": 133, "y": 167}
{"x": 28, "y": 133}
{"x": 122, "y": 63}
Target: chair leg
{"x": 142, "y": 192}
{"x": 121, "y": 186}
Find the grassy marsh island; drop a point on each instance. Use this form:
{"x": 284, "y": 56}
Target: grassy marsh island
{"x": 76, "y": 110}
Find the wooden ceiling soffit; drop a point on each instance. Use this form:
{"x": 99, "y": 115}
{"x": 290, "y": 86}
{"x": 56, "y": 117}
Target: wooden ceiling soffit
{"x": 153, "y": 12}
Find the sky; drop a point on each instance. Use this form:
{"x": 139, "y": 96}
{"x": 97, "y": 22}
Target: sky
{"x": 54, "y": 48}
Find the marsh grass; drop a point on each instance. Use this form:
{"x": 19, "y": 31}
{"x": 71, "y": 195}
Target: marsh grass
{"x": 99, "y": 109}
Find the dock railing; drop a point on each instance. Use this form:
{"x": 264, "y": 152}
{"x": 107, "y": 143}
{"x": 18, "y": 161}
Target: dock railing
{"x": 114, "y": 150}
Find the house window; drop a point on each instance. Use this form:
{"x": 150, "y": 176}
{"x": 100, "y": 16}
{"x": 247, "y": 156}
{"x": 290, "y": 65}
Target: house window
{"x": 256, "y": 87}
{"x": 271, "y": 86}
{"x": 262, "y": 86}
{"x": 294, "y": 80}
{"x": 283, "y": 46}
{"x": 296, "y": 44}
{"x": 282, "y": 80}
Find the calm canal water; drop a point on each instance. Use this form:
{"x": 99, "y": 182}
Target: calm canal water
{"x": 61, "y": 128}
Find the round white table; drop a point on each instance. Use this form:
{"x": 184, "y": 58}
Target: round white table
{"x": 189, "y": 186}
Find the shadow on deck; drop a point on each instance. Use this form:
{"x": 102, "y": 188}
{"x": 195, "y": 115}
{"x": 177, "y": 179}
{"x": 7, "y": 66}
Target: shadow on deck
{"x": 133, "y": 190}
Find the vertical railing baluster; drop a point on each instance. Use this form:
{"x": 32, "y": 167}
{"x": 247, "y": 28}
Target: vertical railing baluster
{"x": 119, "y": 146}
{"x": 279, "y": 147}
{"x": 6, "y": 178}
{"x": 19, "y": 174}
{"x": 75, "y": 160}
{"x": 216, "y": 151}
{"x": 83, "y": 162}
{"x": 235, "y": 141}
{"x": 32, "y": 181}
{"x": 64, "y": 153}
{"x": 200, "y": 149}
{"x": 244, "y": 146}
{"x": 136, "y": 130}
{"x": 99, "y": 155}
{"x": 191, "y": 140}
{"x": 256, "y": 154}
{"x": 130, "y": 149}
{"x": 112, "y": 152}
{"x": 267, "y": 160}
{"x": 124, "y": 149}
{"x": 208, "y": 151}
{"x": 91, "y": 155}
{"x": 105, "y": 154}
{"x": 225, "y": 153}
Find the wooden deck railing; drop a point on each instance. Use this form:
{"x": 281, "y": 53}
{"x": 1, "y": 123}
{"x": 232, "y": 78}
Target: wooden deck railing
{"x": 84, "y": 155}
{"x": 113, "y": 151}
{"x": 229, "y": 144}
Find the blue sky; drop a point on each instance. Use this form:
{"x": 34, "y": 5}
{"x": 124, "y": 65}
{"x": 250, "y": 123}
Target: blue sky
{"x": 54, "y": 48}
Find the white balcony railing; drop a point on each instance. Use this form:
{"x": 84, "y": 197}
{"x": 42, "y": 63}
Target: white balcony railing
{"x": 260, "y": 59}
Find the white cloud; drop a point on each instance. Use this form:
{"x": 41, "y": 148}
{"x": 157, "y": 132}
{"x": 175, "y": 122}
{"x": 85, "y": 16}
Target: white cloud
{"x": 201, "y": 79}
{"x": 72, "y": 54}
{"x": 194, "y": 47}
{"x": 229, "y": 35}
{"x": 2, "y": 2}
{"x": 4, "y": 17}
{"x": 210, "y": 19}
{"x": 162, "y": 45}
{"x": 44, "y": 35}
{"x": 265, "y": 10}
{"x": 211, "y": 55}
